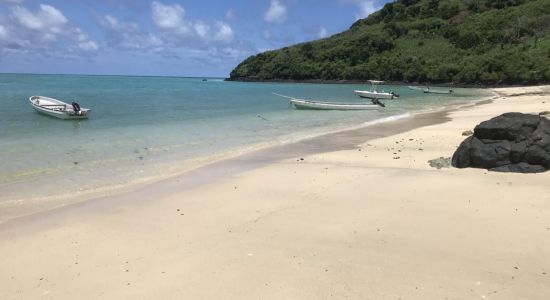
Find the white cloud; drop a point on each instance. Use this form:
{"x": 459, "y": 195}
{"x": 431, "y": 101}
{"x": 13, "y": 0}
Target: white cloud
{"x": 47, "y": 19}
{"x": 128, "y": 35}
{"x": 202, "y": 29}
{"x": 3, "y": 32}
{"x": 177, "y": 31}
{"x": 224, "y": 34}
{"x": 276, "y": 12}
{"x": 43, "y": 32}
{"x": 323, "y": 33}
{"x": 170, "y": 17}
{"x": 88, "y": 46}
{"x": 366, "y": 7}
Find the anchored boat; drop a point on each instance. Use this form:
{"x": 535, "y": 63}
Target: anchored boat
{"x": 374, "y": 93}
{"x": 428, "y": 90}
{"x": 59, "y": 109}
{"x": 323, "y": 105}
{"x": 442, "y": 92}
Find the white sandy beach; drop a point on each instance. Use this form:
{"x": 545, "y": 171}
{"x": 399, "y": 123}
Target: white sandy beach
{"x": 371, "y": 223}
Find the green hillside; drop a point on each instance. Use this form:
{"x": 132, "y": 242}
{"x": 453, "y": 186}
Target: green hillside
{"x": 426, "y": 41}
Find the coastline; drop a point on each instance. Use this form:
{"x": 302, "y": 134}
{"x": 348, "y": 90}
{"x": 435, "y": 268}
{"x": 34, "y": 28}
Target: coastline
{"x": 320, "y": 218}
{"x": 28, "y": 206}
{"x": 389, "y": 82}
{"x": 227, "y": 164}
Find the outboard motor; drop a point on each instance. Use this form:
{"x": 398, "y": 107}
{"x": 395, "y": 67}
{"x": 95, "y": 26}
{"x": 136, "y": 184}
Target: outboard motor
{"x": 76, "y": 108}
{"x": 396, "y": 95}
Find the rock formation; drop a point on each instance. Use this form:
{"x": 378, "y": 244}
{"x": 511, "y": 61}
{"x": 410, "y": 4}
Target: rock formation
{"x": 512, "y": 142}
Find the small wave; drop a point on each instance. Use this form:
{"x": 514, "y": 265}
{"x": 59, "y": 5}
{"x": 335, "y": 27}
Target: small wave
{"x": 386, "y": 120}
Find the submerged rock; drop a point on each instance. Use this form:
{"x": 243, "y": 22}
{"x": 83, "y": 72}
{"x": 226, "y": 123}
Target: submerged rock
{"x": 512, "y": 142}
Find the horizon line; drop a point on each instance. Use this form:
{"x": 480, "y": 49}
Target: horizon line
{"x": 126, "y": 75}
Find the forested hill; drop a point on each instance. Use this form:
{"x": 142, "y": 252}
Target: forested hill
{"x": 425, "y": 41}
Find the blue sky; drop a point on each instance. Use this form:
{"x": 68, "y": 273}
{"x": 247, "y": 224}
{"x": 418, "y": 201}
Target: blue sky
{"x": 163, "y": 37}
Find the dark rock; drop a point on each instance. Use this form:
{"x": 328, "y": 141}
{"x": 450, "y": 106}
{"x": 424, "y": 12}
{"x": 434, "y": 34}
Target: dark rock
{"x": 467, "y": 133}
{"x": 509, "y": 126}
{"x": 512, "y": 142}
{"x": 519, "y": 168}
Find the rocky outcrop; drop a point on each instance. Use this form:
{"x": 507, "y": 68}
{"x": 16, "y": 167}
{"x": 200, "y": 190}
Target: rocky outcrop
{"x": 512, "y": 142}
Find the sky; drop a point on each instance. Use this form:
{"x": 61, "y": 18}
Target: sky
{"x": 161, "y": 37}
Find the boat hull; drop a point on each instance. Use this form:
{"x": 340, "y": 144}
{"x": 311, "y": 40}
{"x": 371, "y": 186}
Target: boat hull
{"x": 438, "y": 92}
{"x": 374, "y": 95}
{"x": 57, "y": 109}
{"x": 317, "y": 105}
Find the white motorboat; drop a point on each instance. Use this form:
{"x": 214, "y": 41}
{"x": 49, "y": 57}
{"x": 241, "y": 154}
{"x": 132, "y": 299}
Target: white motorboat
{"x": 323, "y": 105}
{"x": 374, "y": 93}
{"x": 59, "y": 109}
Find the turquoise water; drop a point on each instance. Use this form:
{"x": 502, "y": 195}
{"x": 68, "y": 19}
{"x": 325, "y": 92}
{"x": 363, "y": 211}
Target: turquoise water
{"x": 149, "y": 127}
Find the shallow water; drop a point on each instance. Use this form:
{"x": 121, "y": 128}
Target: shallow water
{"x": 148, "y": 127}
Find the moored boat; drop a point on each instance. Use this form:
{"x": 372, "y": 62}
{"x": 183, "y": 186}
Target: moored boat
{"x": 428, "y": 90}
{"x": 59, "y": 109}
{"x": 374, "y": 93}
{"x": 319, "y": 105}
{"x": 323, "y": 105}
{"x": 442, "y": 92}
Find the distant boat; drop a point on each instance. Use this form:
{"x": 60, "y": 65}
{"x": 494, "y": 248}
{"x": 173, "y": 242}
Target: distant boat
{"x": 374, "y": 93}
{"x": 428, "y": 90}
{"x": 322, "y": 105}
{"x": 59, "y": 109}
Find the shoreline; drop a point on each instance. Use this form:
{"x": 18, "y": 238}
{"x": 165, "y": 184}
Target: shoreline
{"x": 24, "y": 207}
{"x": 305, "y": 222}
{"x": 347, "y": 139}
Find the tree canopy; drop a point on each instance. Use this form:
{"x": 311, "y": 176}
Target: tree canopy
{"x": 424, "y": 41}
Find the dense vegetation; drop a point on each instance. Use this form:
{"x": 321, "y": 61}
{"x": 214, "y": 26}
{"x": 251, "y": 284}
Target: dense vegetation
{"x": 467, "y": 42}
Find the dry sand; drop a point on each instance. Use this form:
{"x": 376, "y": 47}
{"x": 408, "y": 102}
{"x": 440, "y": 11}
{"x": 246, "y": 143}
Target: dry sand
{"x": 375, "y": 222}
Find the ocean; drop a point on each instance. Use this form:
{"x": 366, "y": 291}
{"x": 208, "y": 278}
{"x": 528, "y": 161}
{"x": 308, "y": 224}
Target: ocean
{"x": 147, "y": 128}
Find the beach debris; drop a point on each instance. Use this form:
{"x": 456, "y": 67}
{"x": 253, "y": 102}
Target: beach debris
{"x": 512, "y": 142}
{"x": 75, "y": 163}
{"x": 260, "y": 116}
{"x": 441, "y": 162}
{"x": 467, "y": 133}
